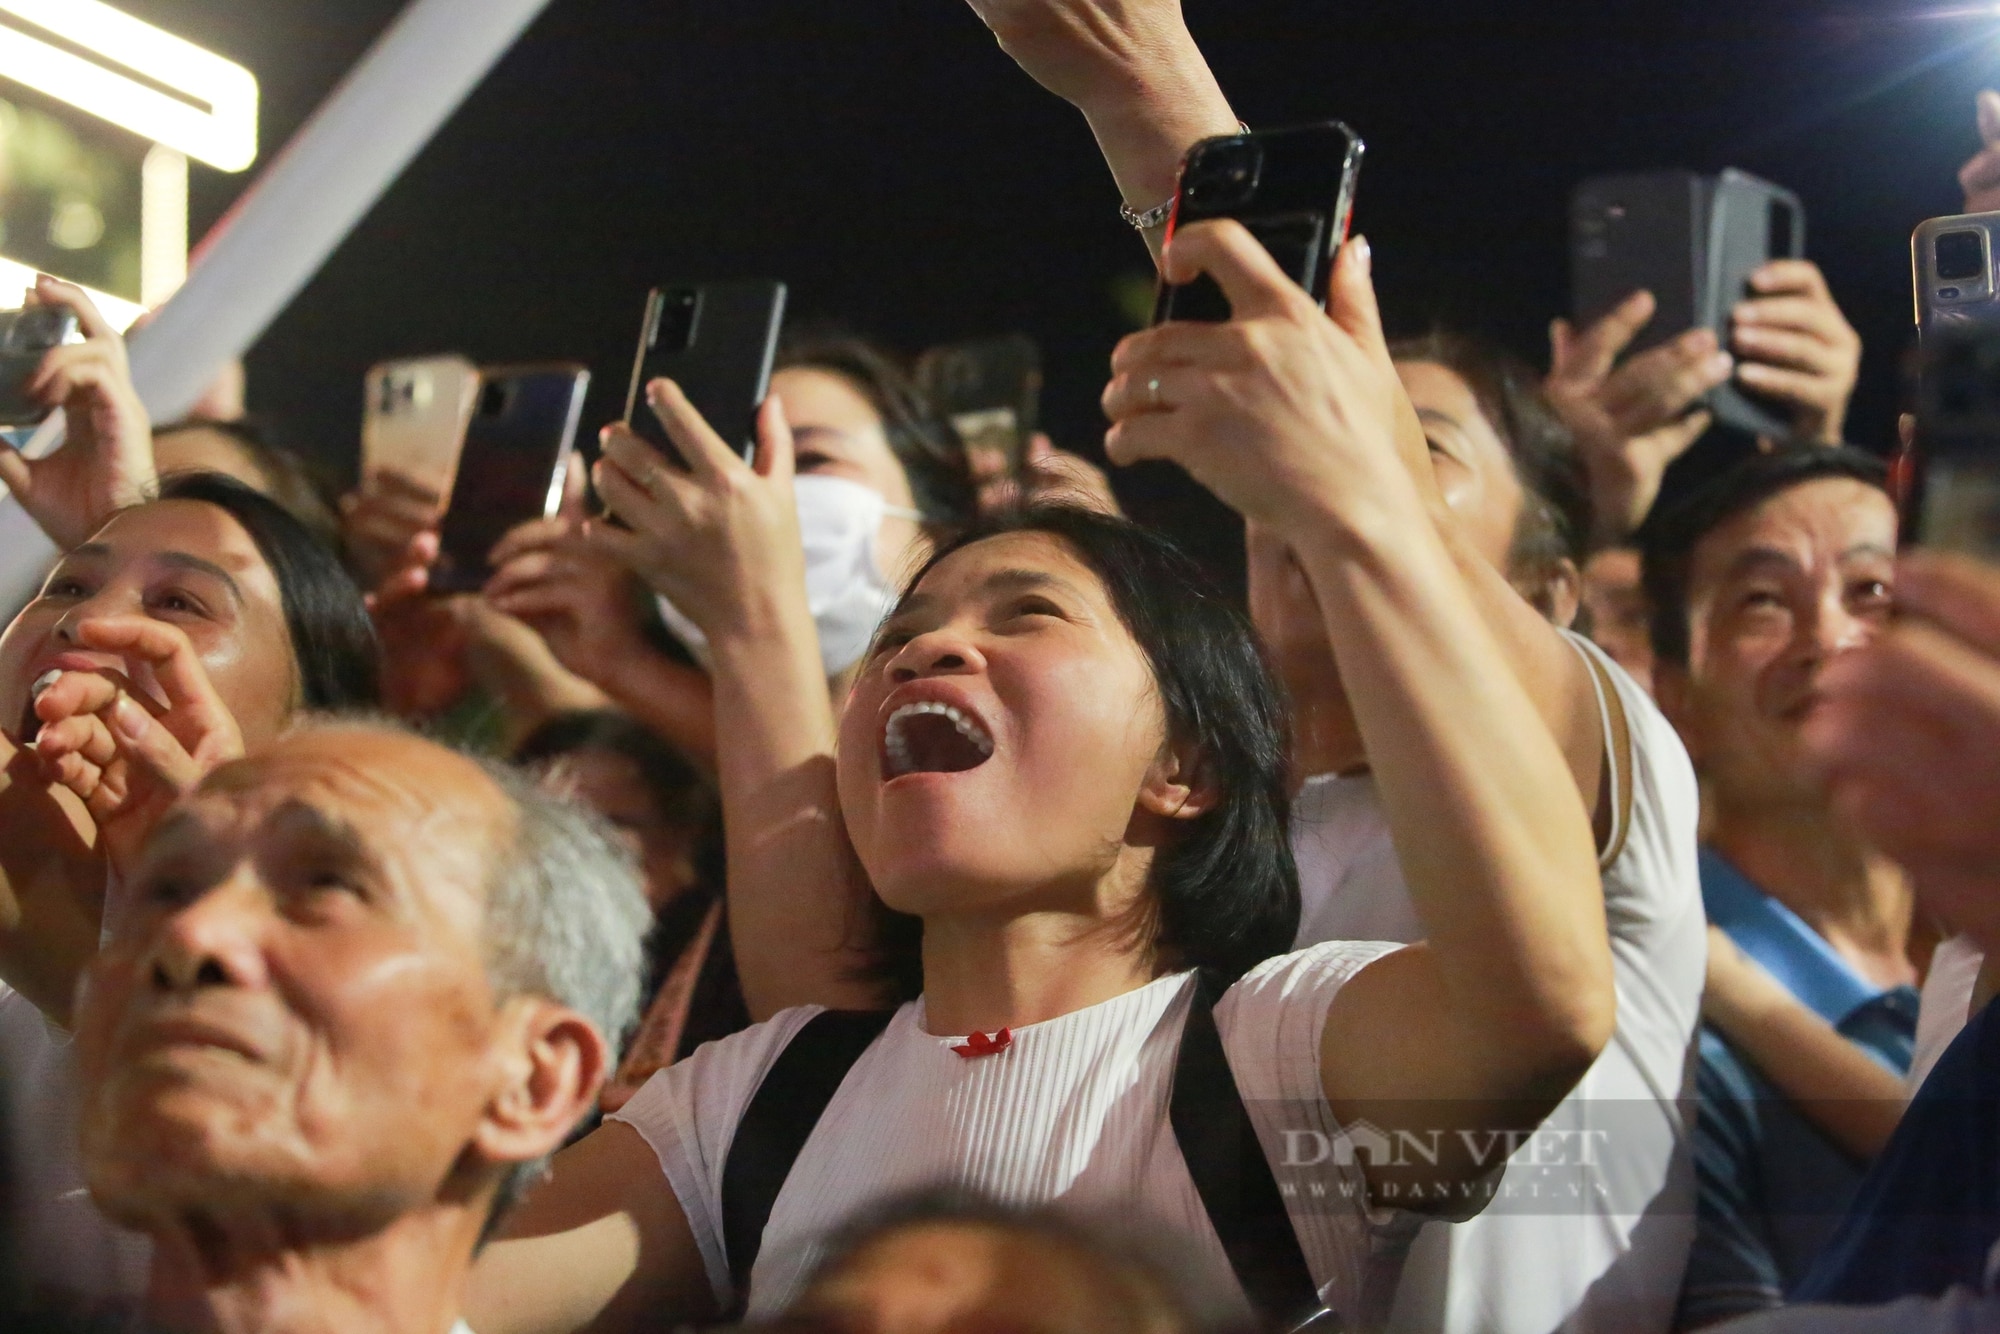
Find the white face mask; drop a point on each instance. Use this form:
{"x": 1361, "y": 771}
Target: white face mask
{"x": 839, "y": 523}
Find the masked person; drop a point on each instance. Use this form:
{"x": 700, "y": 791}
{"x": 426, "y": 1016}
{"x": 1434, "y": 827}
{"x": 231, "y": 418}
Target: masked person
{"x": 363, "y": 987}
{"x": 877, "y": 470}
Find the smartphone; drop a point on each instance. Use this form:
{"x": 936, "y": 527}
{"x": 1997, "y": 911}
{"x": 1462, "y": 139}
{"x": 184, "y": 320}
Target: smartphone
{"x": 1954, "y": 493}
{"x": 1293, "y": 188}
{"x": 991, "y": 390}
{"x": 26, "y": 336}
{"x": 1641, "y": 230}
{"x": 413, "y": 417}
{"x": 717, "y": 341}
{"x": 517, "y": 445}
{"x": 1751, "y": 222}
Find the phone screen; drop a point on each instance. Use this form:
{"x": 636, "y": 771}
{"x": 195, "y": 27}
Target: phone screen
{"x": 511, "y": 471}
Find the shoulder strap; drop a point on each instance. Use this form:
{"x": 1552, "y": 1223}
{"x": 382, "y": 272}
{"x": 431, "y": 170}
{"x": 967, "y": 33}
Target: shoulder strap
{"x": 1617, "y": 751}
{"x": 777, "y": 1123}
{"x": 1231, "y": 1173}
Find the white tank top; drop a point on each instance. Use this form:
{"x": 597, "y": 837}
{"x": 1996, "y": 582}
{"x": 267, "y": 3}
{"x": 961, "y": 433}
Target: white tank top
{"x": 1594, "y": 1235}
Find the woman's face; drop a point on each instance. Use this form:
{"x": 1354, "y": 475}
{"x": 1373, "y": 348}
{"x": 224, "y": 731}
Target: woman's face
{"x": 611, "y": 785}
{"x": 1474, "y": 470}
{"x": 998, "y": 738}
{"x": 837, "y": 433}
{"x": 183, "y": 562}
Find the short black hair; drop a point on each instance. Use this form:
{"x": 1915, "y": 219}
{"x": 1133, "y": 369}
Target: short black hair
{"x": 1225, "y": 892}
{"x": 333, "y": 637}
{"x": 922, "y": 439}
{"x": 1668, "y": 540}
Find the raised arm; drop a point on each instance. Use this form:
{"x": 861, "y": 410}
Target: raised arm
{"x": 721, "y": 540}
{"x": 1291, "y": 417}
{"x": 1132, "y": 68}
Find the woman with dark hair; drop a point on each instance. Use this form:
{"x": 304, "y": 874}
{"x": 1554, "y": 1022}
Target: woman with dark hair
{"x": 1065, "y": 759}
{"x": 1501, "y": 492}
{"x": 667, "y": 814}
{"x": 882, "y": 474}
{"x": 173, "y": 632}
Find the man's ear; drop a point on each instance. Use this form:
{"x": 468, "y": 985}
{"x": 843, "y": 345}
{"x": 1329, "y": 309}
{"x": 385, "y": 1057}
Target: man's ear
{"x": 1178, "y": 786}
{"x": 552, "y": 1063}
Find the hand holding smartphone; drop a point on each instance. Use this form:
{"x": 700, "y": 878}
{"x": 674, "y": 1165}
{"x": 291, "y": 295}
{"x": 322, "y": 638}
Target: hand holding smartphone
{"x": 26, "y": 336}
{"x": 517, "y": 447}
{"x": 1954, "y": 495}
{"x": 1293, "y": 188}
{"x": 718, "y": 342}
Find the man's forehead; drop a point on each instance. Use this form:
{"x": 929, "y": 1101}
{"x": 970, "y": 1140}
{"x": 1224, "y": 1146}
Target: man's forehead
{"x": 388, "y": 786}
{"x": 1826, "y": 518}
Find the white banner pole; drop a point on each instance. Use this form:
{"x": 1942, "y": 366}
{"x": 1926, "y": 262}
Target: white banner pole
{"x": 304, "y": 204}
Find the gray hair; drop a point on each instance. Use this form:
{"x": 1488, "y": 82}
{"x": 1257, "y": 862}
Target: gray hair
{"x": 566, "y": 915}
{"x": 566, "y": 918}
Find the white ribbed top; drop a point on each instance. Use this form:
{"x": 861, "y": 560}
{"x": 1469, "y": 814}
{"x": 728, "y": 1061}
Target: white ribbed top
{"x": 1073, "y": 1112}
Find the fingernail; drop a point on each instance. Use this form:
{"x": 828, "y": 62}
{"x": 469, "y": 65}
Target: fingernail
{"x": 1721, "y": 364}
{"x": 1364, "y": 254}
{"x": 128, "y": 718}
{"x": 43, "y": 682}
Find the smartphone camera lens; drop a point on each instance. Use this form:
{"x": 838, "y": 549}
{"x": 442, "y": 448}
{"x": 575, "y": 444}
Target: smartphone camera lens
{"x": 673, "y": 328}
{"x": 1960, "y": 255}
{"x": 1226, "y": 174}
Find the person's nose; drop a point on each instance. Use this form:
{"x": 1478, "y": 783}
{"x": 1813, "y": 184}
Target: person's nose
{"x": 106, "y": 601}
{"x": 217, "y": 940}
{"x": 945, "y": 651}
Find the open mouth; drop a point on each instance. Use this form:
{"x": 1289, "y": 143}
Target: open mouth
{"x": 931, "y": 737}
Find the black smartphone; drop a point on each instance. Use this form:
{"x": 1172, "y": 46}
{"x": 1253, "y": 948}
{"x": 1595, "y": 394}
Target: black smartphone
{"x": 1293, "y": 188}
{"x": 1751, "y": 222}
{"x": 1641, "y": 230}
{"x": 991, "y": 389}
{"x": 1953, "y": 496}
{"x": 510, "y": 471}
{"x": 27, "y": 335}
{"x": 717, "y": 341}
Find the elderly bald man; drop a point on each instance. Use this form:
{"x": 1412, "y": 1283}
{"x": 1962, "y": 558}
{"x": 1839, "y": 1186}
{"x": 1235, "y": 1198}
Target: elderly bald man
{"x": 365, "y": 987}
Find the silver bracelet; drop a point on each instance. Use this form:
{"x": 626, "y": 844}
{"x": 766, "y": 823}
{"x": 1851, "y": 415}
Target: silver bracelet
{"x": 1157, "y": 215}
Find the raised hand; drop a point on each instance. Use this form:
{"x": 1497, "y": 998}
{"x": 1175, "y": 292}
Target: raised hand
{"x": 106, "y": 459}
{"x": 719, "y": 538}
{"x": 125, "y": 754}
{"x": 1980, "y": 176}
{"x": 1292, "y": 418}
{"x": 584, "y": 604}
{"x": 1630, "y": 421}
{"x": 424, "y": 638}
{"x": 380, "y": 520}
{"x": 1907, "y": 736}
{"x": 1792, "y": 343}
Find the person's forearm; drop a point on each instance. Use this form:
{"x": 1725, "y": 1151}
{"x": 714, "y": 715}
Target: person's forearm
{"x": 1836, "y": 1085}
{"x": 670, "y": 699}
{"x": 1146, "y": 122}
{"x": 797, "y": 916}
{"x": 1494, "y": 843}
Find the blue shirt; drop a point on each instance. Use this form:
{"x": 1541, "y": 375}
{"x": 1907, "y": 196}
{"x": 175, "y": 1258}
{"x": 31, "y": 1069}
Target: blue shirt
{"x": 1928, "y": 1212}
{"x": 1771, "y": 1187}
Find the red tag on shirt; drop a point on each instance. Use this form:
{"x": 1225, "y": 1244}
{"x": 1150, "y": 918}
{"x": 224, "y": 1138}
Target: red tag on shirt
{"x": 984, "y": 1044}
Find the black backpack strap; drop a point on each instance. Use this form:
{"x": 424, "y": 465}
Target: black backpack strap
{"x": 1231, "y": 1172}
{"x": 777, "y": 1123}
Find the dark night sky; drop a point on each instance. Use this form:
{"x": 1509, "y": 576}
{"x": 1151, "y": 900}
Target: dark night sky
{"x": 886, "y": 160}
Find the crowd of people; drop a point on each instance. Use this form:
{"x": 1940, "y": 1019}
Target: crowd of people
{"x": 860, "y": 887}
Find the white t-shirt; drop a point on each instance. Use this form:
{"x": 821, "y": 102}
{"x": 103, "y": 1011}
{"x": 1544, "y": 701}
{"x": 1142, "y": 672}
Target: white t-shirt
{"x": 1541, "y": 1258}
{"x": 67, "y": 1246}
{"x": 1073, "y": 1113}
